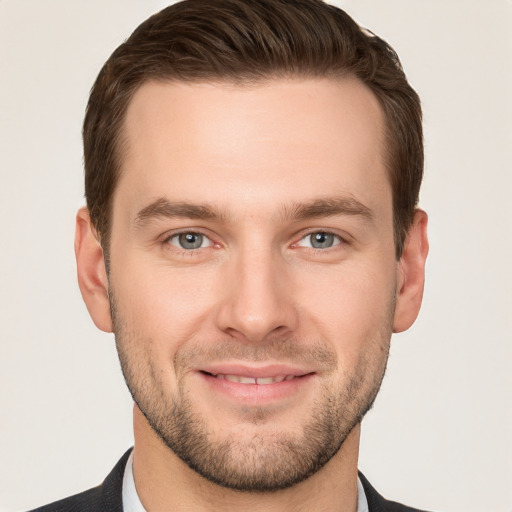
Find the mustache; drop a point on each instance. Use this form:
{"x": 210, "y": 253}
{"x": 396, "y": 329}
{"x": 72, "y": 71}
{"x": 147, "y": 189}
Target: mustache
{"x": 312, "y": 354}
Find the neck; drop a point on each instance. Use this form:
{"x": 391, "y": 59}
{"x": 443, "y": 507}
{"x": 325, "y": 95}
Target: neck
{"x": 165, "y": 482}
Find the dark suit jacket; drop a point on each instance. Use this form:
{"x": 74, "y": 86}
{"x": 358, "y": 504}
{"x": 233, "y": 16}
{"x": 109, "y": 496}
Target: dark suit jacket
{"x": 107, "y": 497}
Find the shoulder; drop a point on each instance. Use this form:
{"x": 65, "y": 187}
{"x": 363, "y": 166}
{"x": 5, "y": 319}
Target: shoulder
{"x": 107, "y": 496}
{"x": 85, "y": 501}
{"x": 393, "y": 506}
{"x": 376, "y": 503}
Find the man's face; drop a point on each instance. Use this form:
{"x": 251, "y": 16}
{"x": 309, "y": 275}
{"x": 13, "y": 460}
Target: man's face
{"x": 253, "y": 276}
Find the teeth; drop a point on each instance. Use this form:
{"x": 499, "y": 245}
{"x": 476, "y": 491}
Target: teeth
{"x": 265, "y": 380}
{"x": 247, "y": 380}
{"x": 253, "y": 380}
{"x": 232, "y": 378}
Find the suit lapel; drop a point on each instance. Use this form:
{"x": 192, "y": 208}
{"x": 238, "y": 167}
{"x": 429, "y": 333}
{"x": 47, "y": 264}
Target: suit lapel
{"x": 112, "y": 486}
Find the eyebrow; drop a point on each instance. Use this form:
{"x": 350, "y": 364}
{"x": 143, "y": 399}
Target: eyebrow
{"x": 325, "y": 207}
{"x": 162, "y": 208}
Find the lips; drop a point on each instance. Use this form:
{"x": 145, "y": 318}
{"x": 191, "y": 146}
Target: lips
{"x": 242, "y": 379}
{"x": 254, "y": 385}
{"x": 270, "y": 373}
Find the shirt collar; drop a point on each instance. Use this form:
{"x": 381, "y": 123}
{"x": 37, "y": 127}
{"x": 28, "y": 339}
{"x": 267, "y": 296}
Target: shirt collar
{"x": 132, "y": 503}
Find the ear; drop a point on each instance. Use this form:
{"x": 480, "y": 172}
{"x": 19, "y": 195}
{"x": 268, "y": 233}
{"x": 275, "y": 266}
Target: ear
{"x": 92, "y": 275}
{"x": 411, "y": 269}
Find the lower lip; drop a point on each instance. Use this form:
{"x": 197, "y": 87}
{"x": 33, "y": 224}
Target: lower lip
{"x": 257, "y": 394}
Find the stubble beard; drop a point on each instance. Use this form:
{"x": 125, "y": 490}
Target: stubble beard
{"x": 267, "y": 461}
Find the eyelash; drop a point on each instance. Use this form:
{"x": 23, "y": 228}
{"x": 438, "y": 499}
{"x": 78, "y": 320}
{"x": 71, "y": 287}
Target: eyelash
{"x": 339, "y": 240}
{"x": 166, "y": 241}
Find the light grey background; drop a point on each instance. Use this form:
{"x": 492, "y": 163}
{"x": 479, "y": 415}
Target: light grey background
{"x": 440, "y": 434}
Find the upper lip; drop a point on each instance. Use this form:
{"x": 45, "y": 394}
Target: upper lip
{"x": 253, "y": 371}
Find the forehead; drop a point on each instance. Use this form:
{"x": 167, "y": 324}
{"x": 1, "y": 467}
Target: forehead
{"x": 244, "y": 146}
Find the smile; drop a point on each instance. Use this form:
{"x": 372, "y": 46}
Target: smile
{"x": 256, "y": 386}
{"x": 254, "y": 380}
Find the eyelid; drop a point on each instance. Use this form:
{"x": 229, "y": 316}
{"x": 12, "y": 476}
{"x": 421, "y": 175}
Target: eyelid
{"x": 166, "y": 237}
{"x": 342, "y": 238}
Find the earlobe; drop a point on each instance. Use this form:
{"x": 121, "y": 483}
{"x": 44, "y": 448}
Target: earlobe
{"x": 92, "y": 275}
{"x": 411, "y": 268}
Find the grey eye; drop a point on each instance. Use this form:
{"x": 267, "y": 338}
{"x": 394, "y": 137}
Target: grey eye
{"x": 320, "y": 240}
{"x": 189, "y": 241}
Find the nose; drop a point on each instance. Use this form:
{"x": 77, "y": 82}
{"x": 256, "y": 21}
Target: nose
{"x": 257, "y": 298}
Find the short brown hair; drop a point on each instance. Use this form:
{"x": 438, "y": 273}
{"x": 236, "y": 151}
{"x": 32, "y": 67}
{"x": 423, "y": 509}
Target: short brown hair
{"x": 249, "y": 41}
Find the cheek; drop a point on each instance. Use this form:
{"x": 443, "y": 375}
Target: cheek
{"x": 157, "y": 312}
{"x": 165, "y": 305}
{"x": 350, "y": 306}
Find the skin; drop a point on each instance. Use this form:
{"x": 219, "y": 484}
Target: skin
{"x": 256, "y": 296}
